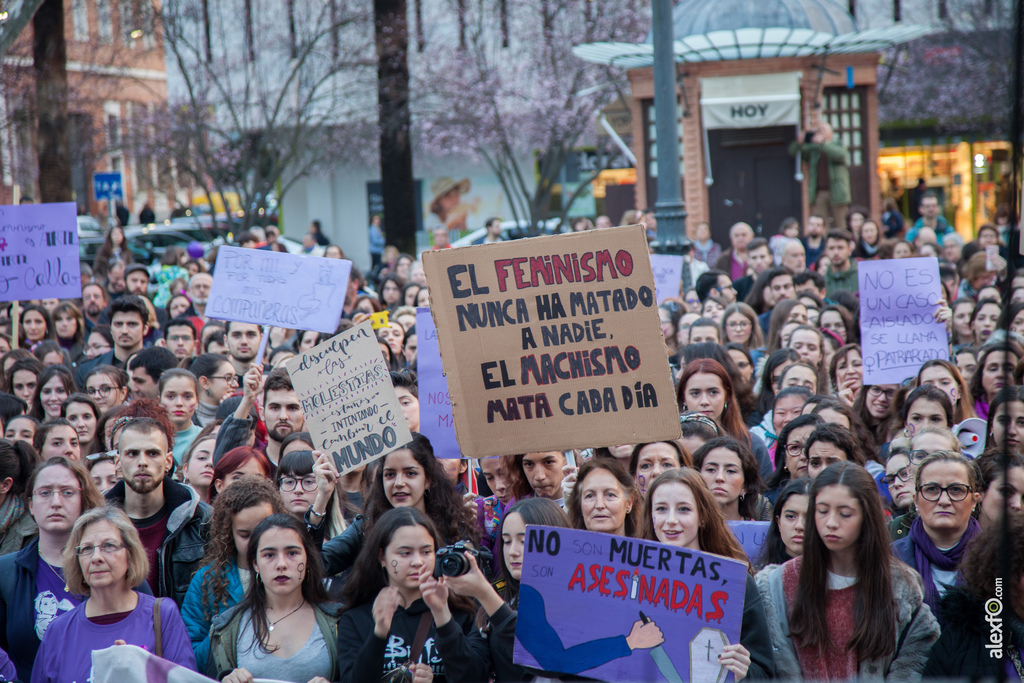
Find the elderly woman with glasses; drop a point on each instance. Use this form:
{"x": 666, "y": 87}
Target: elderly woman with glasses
{"x": 106, "y": 562}
{"x": 945, "y": 493}
{"x": 928, "y": 440}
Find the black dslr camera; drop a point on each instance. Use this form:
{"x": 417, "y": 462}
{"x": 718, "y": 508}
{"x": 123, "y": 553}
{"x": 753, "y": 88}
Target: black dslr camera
{"x": 450, "y": 560}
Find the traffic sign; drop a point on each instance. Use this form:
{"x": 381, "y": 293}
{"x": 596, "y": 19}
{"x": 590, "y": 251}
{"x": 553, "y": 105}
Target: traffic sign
{"x": 108, "y": 186}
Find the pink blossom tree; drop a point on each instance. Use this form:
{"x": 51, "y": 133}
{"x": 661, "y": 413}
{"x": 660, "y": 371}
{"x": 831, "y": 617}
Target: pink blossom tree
{"x": 508, "y": 88}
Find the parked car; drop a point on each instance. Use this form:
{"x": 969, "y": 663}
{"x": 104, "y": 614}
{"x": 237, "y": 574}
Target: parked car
{"x": 510, "y": 230}
{"x": 87, "y": 225}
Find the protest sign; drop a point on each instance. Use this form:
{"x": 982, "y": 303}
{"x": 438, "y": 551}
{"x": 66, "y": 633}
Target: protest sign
{"x": 351, "y": 409}
{"x": 278, "y": 289}
{"x": 668, "y": 274}
{"x": 898, "y": 330}
{"x": 120, "y": 663}
{"x": 39, "y": 252}
{"x": 435, "y": 404}
{"x": 552, "y": 343}
{"x": 586, "y": 598}
{"x": 751, "y": 536}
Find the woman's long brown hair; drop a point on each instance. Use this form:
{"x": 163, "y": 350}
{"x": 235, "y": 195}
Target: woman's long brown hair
{"x": 874, "y": 622}
{"x": 732, "y": 419}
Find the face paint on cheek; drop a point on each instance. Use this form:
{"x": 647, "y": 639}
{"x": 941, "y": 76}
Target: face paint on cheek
{"x": 910, "y": 430}
{"x": 394, "y": 566}
{"x": 642, "y": 483}
{"x": 301, "y": 567}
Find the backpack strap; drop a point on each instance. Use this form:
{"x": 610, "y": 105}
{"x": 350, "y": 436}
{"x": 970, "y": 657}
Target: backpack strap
{"x": 421, "y": 637}
{"x": 158, "y": 650}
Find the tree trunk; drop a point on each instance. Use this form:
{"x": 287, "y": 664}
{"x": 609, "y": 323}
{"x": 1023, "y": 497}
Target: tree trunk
{"x": 392, "y": 36}
{"x": 49, "y": 62}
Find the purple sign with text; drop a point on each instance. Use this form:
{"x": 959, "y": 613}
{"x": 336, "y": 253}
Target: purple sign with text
{"x": 39, "y": 252}
{"x": 435, "y": 404}
{"x": 751, "y": 536}
{"x": 668, "y": 274}
{"x": 898, "y": 330}
{"x": 623, "y": 609}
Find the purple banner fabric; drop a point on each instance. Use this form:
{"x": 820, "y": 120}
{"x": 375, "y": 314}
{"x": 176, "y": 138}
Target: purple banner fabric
{"x": 898, "y": 330}
{"x": 624, "y": 609}
{"x": 436, "y": 421}
{"x": 39, "y": 252}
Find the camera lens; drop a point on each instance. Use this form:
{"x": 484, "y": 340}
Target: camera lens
{"x": 453, "y": 565}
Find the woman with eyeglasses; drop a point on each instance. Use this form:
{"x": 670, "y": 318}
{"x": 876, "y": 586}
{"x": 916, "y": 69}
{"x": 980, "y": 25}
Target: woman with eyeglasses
{"x": 925, "y": 442}
{"x": 740, "y": 326}
{"x": 217, "y": 379}
{"x": 304, "y": 488}
{"x": 791, "y": 454}
{"x": 945, "y": 495}
{"x": 33, "y": 591}
{"x": 108, "y": 386}
{"x": 226, "y": 573}
{"x": 106, "y": 562}
{"x": 997, "y": 491}
{"x": 897, "y": 480}
{"x": 873, "y": 407}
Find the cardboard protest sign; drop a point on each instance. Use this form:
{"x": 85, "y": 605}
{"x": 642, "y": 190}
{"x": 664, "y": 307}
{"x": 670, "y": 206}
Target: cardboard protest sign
{"x": 39, "y": 252}
{"x": 586, "y": 598}
{"x": 436, "y": 421}
{"x": 751, "y": 536}
{"x": 898, "y": 330}
{"x": 278, "y": 289}
{"x": 350, "y": 405}
{"x": 668, "y": 274}
{"x": 552, "y": 343}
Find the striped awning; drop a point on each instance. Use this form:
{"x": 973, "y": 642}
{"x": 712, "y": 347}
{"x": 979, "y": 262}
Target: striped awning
{"x": 752, "y": 43}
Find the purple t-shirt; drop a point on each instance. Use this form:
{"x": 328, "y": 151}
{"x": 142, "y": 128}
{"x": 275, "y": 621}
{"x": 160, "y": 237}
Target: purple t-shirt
{"x": 51, "y": 599}
{"x": 65, "y": 655}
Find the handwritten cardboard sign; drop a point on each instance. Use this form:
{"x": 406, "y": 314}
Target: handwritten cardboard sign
{"x": 585, "y": 596}
{"x": 436, "y": 422}
{"x": 668, "y": 274}
{"x": 278, "y": 289}
{"x": 751, "y": 536}
{"x": 898, "y": 330}
{"x": 552, "y": 343}
{"x": 39, "y": 252}
{"x": 346, "y": 394}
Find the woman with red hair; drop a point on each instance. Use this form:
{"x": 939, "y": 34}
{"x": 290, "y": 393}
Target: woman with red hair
{"x": 235, "y": 464}
{"x": 705, "y": 387}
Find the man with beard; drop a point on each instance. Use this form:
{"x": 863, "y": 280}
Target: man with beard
{"x": 243, "y": 345}
{"x": 282, "y": 413}
{"x": 171, "y": 521}
{"x": 94, "y": 301}
{"x": 129, "y": 324}
{"x": 199, "y": 291}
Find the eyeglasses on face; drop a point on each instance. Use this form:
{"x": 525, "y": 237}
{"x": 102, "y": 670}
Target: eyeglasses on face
{"x": 107, "y": 548}
{"x": 289, "y": 483}
{"x": 932, "y": 492}
{"x": 67, "y": 493}
{"x": 902, "y": 475}
{"x": 794, "y": 449}
{"x": 102, "y": 391}
{"x": 877, "y": 391}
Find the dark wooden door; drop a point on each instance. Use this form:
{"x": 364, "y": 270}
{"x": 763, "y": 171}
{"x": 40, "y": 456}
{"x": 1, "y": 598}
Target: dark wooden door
{"x": 754, "y": 179}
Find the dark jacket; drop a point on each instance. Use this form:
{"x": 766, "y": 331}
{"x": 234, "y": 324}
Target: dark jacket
{"x": 960, "y": 651}
{"x": 340, "y": 552}
{"x": 188, "y": 528}
{"x": 86, "y": 366}
{"x": 17, "y": 607}
{"x": 456, "y": 652}
{"x": 232, "y": 434}
{"x": 223, "y": 657}
{"x": 899, "y": 527}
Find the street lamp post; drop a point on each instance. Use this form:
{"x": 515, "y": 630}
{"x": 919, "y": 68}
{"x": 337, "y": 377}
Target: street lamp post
{"x": 669, "y": 209}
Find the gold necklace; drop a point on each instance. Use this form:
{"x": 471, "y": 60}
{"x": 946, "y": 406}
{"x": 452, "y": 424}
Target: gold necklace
{"x": 57, "y": 574}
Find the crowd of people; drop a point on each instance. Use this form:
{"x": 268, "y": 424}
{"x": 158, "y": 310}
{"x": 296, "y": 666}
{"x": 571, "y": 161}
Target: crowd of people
{"x": 158, "y": 486}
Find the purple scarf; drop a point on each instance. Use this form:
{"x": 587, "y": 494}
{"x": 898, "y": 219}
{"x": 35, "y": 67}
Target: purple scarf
{"x": 926, "y": 554}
